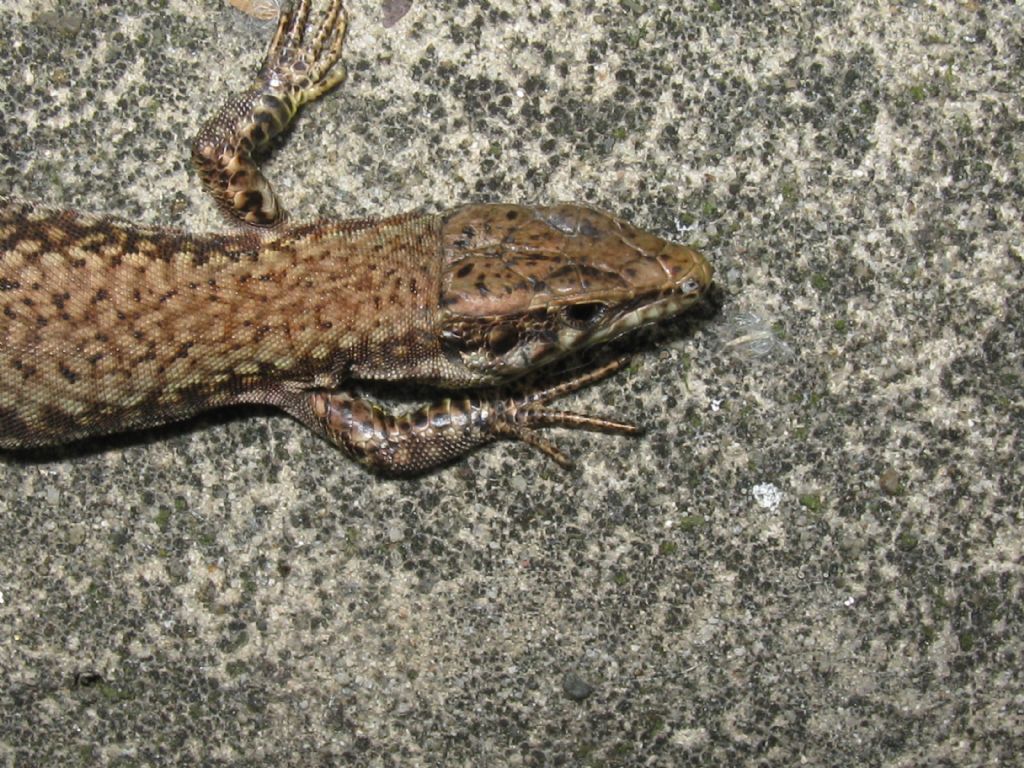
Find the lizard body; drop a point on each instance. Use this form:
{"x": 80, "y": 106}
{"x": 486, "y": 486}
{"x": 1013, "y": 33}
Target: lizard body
{"x": 107, "y": 326}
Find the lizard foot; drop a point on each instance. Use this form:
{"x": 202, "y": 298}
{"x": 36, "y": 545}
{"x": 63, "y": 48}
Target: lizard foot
{"x": 420, "y": 440}
{"x": 306, "y": 68}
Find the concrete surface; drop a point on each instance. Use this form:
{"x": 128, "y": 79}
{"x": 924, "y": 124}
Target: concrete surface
{"x": 814, "y": 556}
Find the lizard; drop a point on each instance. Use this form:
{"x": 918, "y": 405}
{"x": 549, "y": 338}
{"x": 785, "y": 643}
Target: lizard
{"x": 108, "y": 325}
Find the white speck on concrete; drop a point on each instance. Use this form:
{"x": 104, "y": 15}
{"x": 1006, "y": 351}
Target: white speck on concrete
{"x": 767, "y": 496}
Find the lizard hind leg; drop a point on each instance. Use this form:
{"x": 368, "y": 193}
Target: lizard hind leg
{"x": 294, "y": 72}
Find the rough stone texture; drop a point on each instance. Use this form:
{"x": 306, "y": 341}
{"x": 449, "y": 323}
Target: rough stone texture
{"x": 814, "y": 555}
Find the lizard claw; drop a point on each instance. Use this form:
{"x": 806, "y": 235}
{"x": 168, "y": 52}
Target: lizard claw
{"x": 520, "y": 416}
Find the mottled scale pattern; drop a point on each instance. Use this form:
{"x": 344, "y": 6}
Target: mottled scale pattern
{"x": 107, "y": 326}
{"x": 519, "y": 258}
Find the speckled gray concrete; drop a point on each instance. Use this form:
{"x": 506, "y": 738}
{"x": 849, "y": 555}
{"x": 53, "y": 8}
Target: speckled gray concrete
{"x": 814, "y": 556}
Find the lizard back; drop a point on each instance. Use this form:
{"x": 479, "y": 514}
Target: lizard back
{"x": 106, "y": 326}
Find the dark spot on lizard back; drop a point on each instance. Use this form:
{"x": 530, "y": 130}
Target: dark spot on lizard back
{"x": 27, "y": 370}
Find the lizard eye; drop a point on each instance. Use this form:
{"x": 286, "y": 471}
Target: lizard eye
{"x": 583, "y": 315}
{"x": 501, "y": 341}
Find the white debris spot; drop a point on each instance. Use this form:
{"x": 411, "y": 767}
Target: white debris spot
{"x": 767, "y": 495}
{"x": 265, "y": 10}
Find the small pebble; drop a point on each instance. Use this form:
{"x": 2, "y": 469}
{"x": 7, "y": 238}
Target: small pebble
{"x": 575, "y": 687}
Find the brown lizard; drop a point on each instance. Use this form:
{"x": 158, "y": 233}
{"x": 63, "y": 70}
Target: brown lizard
{"x": 106, "y": 325}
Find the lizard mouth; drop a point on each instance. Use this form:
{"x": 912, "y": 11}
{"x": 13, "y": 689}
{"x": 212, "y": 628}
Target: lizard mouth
{"x": 502, "y": 347}
{"x": 603, "y": 323}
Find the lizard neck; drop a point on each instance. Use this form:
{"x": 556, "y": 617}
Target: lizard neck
{"x": 351, "y": 299}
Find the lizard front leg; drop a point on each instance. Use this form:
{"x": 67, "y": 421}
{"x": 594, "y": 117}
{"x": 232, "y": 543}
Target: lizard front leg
{"x": 296, "y": 70}
{"x": 420, "y": 440}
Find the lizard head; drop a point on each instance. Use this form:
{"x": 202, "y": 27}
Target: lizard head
{"x": 523, "y": 286}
